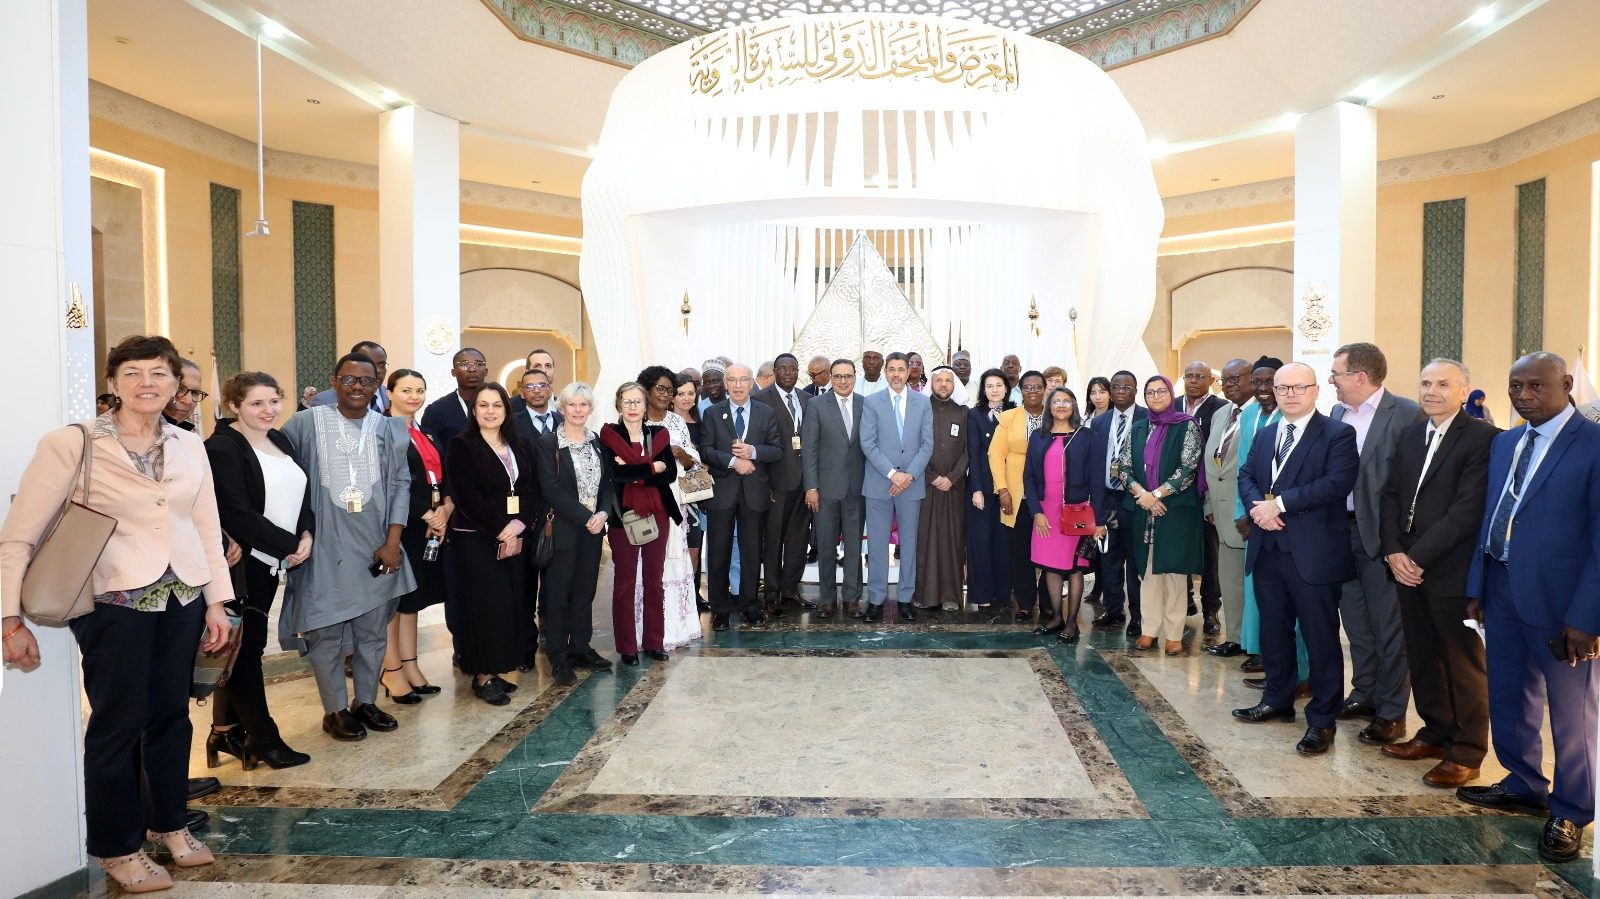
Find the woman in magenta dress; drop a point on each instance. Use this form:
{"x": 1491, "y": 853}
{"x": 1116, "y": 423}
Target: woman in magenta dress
{"x": 1064, "y": 459}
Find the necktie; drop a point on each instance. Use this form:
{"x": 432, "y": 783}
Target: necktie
{"x": 1225, "y": 449}
{"x": 738, "y": 422}
{"x": 899, "y": 418}
{"x": 544, "y": 422}
{"x": 1286, "y": 445}
{"x": 844, "y": 410}
{"x": 1500, "y": 531}
{"x": 794, "y": 414}
{"x": 1122, "y": 428}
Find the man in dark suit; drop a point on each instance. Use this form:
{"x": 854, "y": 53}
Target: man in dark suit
{"x": 1294, "y": 485}
{"x": 831, "y": 435}
{"x": 1380, "y": 687}
{"x": 1431, "y": 510}
{"x": 1116, "y": 563}
{"x": 446, "y": 416}
{"x": 738, "y": 443}
{"x": 788, "y": 528}
{"x": 818, "y": 372}
{"x": 1535, "y": 587}
{"x": 1198, "y": 401}
{"x": 531, "y": 411}
{"x": 380, "y": 397}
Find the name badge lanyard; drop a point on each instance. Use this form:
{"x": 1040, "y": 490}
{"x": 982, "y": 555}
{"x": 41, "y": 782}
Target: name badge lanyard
{"x": 352, "y": 496}
{"x": 1434, "y": 439}
{"x": 513, "y": 502}
{"x": 1511, "y": 487}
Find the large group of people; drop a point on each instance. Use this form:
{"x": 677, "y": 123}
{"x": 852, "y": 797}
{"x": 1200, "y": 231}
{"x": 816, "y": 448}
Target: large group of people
{"x": 991, "y": 494}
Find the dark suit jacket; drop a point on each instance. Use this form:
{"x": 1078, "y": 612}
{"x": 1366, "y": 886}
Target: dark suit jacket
{"x": 480, "y": 485}
{"x": 789, "y": 472}
{"x": 813, "y": 390}
{"x": 1314, "y": 484}
{"x": 242, "y": 492}
{"x": 1204, "y": 414}
{"x": 1555, "y": 546}
{"x": 525, "y": 428}
{"x": 421, "y": 490}
{"x": 754, "y": 491}
{"x": 980, "y": 431}
{"x": 1393, "y": 414}
{"x": 833, "y": 463}
{"x": 1085, "y": 462}
{"x": 1106, "y": 425}
{"x": 558, "y": 488}
{"x": 443, "y": 421}
{"x": 1450, "y": 502}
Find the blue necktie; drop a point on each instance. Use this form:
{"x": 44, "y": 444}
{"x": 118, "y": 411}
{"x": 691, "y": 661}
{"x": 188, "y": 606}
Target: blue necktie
{"x": 1500, "y": 530}
{"x": 899, "y": 418}
{"x": 738, "y": 422}
{"x": 1286, "y": 446}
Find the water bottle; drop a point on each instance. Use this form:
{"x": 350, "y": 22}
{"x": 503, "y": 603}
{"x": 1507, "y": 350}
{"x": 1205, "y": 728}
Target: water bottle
{"x": 430, "y": 553}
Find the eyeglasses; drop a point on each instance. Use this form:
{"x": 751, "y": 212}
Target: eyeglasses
{"x": 471, "y": 366}
{"x": 196, "y": 394}
{"x": 630, "y": 404}
{"x": 664, "y": 388}
{"x": 354, "y": 381}
{"x": 1296, "y": 389}
{"x": 843, "y": 375}
{"x": 1341, "y": 374}
{"x": 1159, "y": 391}
{"x": 1032, "y": 388}
{"x": 737, "y": 380}
{"x": 1232, "y": 379}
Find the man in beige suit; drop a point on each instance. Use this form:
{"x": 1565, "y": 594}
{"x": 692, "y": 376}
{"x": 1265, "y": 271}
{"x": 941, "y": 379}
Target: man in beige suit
{"x": 1222, "y": 490}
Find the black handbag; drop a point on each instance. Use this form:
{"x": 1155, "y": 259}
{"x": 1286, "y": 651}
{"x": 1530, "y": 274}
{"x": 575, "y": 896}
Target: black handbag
{"x": 544, "y": 543}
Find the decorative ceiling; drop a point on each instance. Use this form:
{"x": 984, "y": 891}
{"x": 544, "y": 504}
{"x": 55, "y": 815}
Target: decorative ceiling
{"x": 1109, "y": 33}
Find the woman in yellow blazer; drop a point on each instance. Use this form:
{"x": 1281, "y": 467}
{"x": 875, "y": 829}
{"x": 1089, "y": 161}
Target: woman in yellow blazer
{"x": 1008, "y": 456}
{"x": 138, "y": 644}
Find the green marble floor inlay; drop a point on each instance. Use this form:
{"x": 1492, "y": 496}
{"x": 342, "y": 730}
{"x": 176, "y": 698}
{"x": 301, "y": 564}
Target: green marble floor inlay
{"x": 1187, "y": 825}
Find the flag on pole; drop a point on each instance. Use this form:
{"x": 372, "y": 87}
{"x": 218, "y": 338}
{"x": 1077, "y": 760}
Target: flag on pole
{"x": 1583, "y": 392}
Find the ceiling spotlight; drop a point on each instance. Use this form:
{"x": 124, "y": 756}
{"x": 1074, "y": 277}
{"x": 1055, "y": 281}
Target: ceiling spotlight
{"x": 122, "y": 40}
{"x": 390, "y": 96}
{"x": 273, "y": 29}
{"x": 313, "y": 101}
{"x": 1438, "y": 96}
{"x": 1369, "y": 90}
{"x": 1482, "y": 17}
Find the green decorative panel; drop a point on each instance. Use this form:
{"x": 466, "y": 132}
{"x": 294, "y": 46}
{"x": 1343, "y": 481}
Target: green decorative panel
{"x": 225, "y": 279}
{"x": 314, "y": 347}
{"x": 1530, "y": 267}
{"x": 1444, "y": 252}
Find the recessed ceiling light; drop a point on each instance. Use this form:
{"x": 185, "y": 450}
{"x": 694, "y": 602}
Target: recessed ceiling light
{"x": 1483, "y": 16}
{"x": 390, "y": 96}
{"x": 1215, "y": 180}
{"x": 273, "y": 29}
{"x": 122, "y": 40}
{"x": 1438, "y": 96}
{"x": 313, "y": 101}
{"x": 536, "y": 181}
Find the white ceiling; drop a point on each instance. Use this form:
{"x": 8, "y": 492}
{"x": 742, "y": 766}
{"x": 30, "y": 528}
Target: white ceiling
{"x": 534, "y": 110}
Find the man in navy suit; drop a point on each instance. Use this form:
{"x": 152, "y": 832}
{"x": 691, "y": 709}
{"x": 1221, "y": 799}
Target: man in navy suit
{"x": 1535, "y": 587}
{"x": 1294, "y": 484}
{"x": 897, "y": 441}
{"x": 1116, "y": 563}
{"x": 739, "y": 443}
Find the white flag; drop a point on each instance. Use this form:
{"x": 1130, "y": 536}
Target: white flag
{"x": 1583, "y": 392}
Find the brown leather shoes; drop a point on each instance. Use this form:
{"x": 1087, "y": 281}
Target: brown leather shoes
{"x": 1413, "y": 749}
{"x": 1449, "y": 774}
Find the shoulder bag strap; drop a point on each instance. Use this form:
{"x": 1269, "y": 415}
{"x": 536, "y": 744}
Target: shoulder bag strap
{"x": 84, "y": 466}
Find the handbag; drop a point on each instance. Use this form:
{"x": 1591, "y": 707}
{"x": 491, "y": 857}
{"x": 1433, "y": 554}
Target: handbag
{"x": 696, "y": 485}
{"x": 640, "y": 529}
{"x": 544, "y": 547}
{"x": 1075, "y": 519}
{"x": 211, "y": 669}
{"x": 58, "y": 583}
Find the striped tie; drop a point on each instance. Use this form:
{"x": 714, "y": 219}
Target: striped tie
{"x": 1286, "y": 445}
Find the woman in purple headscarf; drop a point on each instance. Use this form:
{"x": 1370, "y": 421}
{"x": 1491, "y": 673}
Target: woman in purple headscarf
{"x": 1160, "y": 468}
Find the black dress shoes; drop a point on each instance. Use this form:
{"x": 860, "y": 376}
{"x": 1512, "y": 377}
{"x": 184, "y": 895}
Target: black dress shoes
{"x": 1109, "y": 622}
{"x": 874, "y": 614}
{"x": 1256, "y": 683}
{"x": 660, "y": 655}
{"x": 1353, "y": 709}
{"x": 1252, "y": 665}
{"x": 907, "y": 611}
{"x": 630, "y": 659}
{"x": 756, "y": 620}
{"x": 195, "y": 819}
{"x": 278, "y": 755}
{"x": 1560, "y": 841}
{"x": 374, "y": 717}
{"x": 1316, "y": 741}
{"x": 529, "y": 662}
{"x": 719, "y": 623}
{"x": 203, "y": 786}
{"x": 1496, "y": 796}
{"x": 1225, "y": 650}
{"x": 1261, "y": 712}
{"x": 489, "y": 691}
{"x": 565, "y": 676}
{"x": 1212, "y": 626}
{"x": 1382, "y": 732}
{"x": 507, "y": 687}
{"x": 588, "y": 658}
{"x": 343, "y": 725}
{"x": 1135, "y": 629}
{"x": 801, "y": 602}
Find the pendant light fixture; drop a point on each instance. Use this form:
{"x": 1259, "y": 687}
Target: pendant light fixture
{"x": 261, "y": 229}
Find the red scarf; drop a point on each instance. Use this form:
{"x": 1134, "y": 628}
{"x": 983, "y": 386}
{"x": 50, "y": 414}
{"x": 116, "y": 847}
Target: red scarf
{"x": 429, "y": 454}
{"x": 637, "y": 496}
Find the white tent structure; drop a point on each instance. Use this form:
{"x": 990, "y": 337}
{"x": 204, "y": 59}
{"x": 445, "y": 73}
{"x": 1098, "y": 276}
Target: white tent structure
{"x": 1004, "y": 181}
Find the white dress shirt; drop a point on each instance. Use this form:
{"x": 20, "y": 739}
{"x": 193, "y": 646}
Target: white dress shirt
{"x": 1299, "y": 438}
{"x": 1547, "y": 434}
{"x": 848, "y": 411}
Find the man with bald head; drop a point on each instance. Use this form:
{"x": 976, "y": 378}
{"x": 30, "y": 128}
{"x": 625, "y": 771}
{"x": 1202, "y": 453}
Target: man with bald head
{"x": 818, "y": 374}
{"x": 1294, "y": 486}
{"x": 1535, "y": 586}
{"x": 1430, "y": 512}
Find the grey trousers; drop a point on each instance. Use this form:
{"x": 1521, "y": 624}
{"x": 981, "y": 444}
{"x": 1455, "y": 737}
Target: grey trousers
{"x": 1230, "y": 578}
{"x": 832, "y": 518}
{"x": 1370, "y": 612}
{"x": 369, "y": 637}
{"x": 882, "y": 515}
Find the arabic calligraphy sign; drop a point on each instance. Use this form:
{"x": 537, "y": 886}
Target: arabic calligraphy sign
{"x": 781, "y": 53}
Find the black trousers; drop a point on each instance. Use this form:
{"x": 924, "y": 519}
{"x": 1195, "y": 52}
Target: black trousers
{"x": 1118, "y": 570}
{"x": 1210, "y": 584}
{"x": 1285, "y": 599}
{"x": 1024, "y": 579}
{"x": 719, "y": 547}
{"x": 788, "y": 533}
{"x": 528, "y": 599}
{"x": 136, "y": 672}
{"x": 1448, "y": 677}
{"x": 566, "y": 598}
{"x": 243, "y": 700}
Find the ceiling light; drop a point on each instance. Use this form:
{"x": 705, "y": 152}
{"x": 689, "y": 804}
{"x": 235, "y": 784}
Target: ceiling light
{"x": 1369, "y": 90}
{"x": 1438, "y": 96}
{"x": 390, "y": 96}
{"x": 1288, "y": 121}
{"x": 313, "y": 101}
{"x": 122, "y": 40}
{"x": 273, "y": 29}
{"x": 1158, "y": 149}
{"x": 1482, "y": 17}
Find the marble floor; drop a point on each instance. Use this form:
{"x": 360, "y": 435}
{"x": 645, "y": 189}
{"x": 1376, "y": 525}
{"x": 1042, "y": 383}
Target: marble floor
{"x": 952, "y": 757}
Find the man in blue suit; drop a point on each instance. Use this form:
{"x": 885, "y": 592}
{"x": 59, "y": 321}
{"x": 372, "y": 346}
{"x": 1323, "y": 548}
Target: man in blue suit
{"x": 1535, "y": 587}
{"x": 897, "y": 440}
{"x": 1294, "y": 483}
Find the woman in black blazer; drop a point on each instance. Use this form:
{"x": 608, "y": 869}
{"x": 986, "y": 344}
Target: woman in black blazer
{"x": 494, "y": 483}
{"x": 575, "y": 481}
{"x": 643, "y": 468}
{"x": 263, "y": 504}
{"x": 1065, "y": 459}
{"x": 988, "y": 574}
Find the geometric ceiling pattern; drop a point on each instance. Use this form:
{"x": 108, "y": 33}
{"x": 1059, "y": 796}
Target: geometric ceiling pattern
{"x": 1109, "y": 33}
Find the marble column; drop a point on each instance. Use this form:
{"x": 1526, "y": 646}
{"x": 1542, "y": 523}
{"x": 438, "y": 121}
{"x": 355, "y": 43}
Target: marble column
{"x": 1335, "y": 233}
{"x": 45, "y": 253}
{"x": 419, "y": 242}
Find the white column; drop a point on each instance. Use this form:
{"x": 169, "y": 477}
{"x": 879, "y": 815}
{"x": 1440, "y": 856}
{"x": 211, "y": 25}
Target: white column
{"x": 44, "y": 251}
{"x": 1335, "y": 233}
{"x": 419, "y": 242}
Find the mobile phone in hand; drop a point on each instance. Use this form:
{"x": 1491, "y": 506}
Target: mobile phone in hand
{"x": 375, "y": 569}
{"x": 1558, "y": 648}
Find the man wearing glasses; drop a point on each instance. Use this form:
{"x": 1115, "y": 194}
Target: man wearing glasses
{"x": 1294, "y": 486}
{"x": 446, "y": 416}
{"x": 180, "y": 411}
{"x": 380, "y": 396}
{"x": 1116, "y": 563}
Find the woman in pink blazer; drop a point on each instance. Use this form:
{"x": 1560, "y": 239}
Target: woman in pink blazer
{"x": 139, "y": 643}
